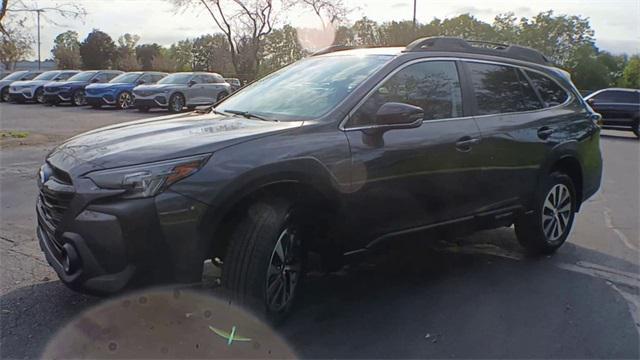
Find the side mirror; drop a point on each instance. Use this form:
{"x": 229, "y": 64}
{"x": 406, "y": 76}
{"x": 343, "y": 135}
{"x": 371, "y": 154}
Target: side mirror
{"x": 140, "y": 82}
{"x": 94, "y": 80}
{"x": 192, "y": 82}
{"x": 393, "y": 115}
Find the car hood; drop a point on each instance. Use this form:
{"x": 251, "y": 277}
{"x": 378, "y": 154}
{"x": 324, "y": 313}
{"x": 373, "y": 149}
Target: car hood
{"x": 106, "y": 85}
{"x": 158, "y": 139}
{"x": 6, "y": 82}
{"x": 29, "y": 83}
{"x": 157, "y": 87}
{"x": 67, "y": 83}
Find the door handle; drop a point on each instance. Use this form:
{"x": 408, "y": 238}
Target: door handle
{"x": 544, "y": 132}
{"x": 465, "y": 143}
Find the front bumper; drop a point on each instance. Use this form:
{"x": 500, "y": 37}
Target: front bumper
{"x": 150, "y": 102}
{"x": 55, "y": 98}
{"x": 98, "y": 243}
{"x": 106, "y": 99}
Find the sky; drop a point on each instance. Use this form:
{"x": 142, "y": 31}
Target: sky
{"x": 615, "y": 22}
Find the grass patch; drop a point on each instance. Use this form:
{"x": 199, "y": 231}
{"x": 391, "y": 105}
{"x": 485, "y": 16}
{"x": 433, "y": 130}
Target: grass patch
{"x": 14, "y": 134}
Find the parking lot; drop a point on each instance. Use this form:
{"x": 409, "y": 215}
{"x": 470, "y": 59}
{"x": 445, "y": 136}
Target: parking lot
{"x": 473, "y": 297}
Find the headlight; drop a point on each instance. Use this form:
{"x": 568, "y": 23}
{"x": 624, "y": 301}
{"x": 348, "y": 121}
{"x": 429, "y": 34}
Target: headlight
{"x": 148, "y": 180}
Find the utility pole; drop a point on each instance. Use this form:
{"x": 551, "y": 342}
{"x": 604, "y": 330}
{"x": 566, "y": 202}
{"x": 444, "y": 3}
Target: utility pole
{"x": 414, "y": 15}
{"x": 38, "y": 12}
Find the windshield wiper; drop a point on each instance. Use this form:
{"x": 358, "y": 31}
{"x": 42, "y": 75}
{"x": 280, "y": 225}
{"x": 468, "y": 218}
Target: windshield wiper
{"x": 248, "y": 115}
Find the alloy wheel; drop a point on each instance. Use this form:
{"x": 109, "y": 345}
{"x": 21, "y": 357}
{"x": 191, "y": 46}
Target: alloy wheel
{"x": 556, "y": 212}
{"x": 40, "y": 96}
{"x": 125, "y": 101}
{"x": 177, "y": 104}
{"x": 78, "y": 98}
{"x": 284, "y": 271}
{"x": 5, "y": 96}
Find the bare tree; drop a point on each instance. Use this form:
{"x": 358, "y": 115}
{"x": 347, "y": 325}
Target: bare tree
{"x": 244, "y": 23}
{"x": 330, "y": 12}
{"x": 67, "y": 10}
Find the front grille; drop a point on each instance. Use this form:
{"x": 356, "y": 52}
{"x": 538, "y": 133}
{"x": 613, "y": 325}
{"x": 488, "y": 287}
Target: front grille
{"x": 144, "y": 92}
{"x": 54, "y": 199}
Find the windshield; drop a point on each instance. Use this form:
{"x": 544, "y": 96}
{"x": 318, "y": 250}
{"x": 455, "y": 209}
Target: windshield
{"x": 83, "y": 76}
{"x": 127, "y": 78}
{"x": 180, "y": 78}
{"x": 306, "y": 89}
{"x": 15, "y": 76}
{"x": 49, "y": 75}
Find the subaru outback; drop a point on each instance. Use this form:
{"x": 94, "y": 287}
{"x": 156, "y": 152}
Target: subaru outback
{"x": 331, "y": 156}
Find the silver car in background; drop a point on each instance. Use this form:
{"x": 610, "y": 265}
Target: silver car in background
{"x": 33, "y": 90}
{"x": 13, "y": 77}
{"x": 180, "y": 90}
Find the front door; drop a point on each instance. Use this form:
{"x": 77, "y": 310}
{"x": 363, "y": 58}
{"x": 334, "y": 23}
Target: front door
{"x": 404, "y": 179}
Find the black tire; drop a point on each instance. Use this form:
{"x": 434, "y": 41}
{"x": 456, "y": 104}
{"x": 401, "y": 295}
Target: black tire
{"x": 4, "y": 95}
{"x": 78, "y": 98}
{"x": 143, "y": 108}
{"x": 636, "y": 128}
{"x": 39, "y": 96}
{"x": 176, "y": 103}
{"x": 124, "y": 100}
{"x": 250, "y": 266}
{"x": 536, "y": 232}
{"x": 221, "y": 96}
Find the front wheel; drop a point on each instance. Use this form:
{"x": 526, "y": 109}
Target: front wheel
{"x": 78, "y": 98}
{"x": 40, "y": 96}
{"x": 4, "y": 96}
{"x": 263, "y": 267}
{"x": 547, "y": 228}
{"x": 176, "y": 103}
{"x": 125, "y": 100}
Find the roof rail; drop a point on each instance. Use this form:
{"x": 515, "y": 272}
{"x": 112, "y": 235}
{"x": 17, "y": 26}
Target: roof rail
{"x": 478, "y": 47}
{"x": 332, "y": 48}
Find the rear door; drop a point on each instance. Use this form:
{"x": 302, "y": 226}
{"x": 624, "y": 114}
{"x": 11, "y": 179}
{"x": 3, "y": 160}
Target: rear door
{"x": 211, "y": 88}
{"x": 410, "y": 178}
{"x": 196, "y": 93}
{"x": 515, "y": 129}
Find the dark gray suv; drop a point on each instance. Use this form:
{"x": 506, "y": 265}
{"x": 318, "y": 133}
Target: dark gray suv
{"x": 333, "y": 155}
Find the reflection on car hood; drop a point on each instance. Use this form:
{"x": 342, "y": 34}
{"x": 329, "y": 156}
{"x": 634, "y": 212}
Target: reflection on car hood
{"x": 156, "y": 87}
{"x": 30, "y": 82}
{"x": 66, "y": 83}
{"x": 107, "y": 85}
{"x": 158, "y": 139}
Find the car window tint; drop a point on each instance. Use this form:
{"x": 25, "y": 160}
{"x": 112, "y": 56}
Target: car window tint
{"x": 624, "y": 97}
{"x": 432, "y": 85}
{"x": 30, "y": 76}
{"x": 65, "y": 76}
{"x": 102, "y": 77}
{"x": 550, "y": 92}
{"x": 157, "y": 77}
{"x": 501, "y": 89}
{"x": 147, "y": 78}
{"x": 112, "y": 76}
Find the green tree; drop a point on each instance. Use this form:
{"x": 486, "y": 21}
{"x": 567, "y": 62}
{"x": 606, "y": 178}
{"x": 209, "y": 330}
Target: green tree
{"x": 586, "y": 71}
{"x": 163, "y": 61}
{"x": 615, "y": 65}
{"x": 210, "y": 53}
{"x": 66, "y": 50}
{"x": 146, "y": 53}
{"x": 98, "y": 51}
{"x": 126, "y": 59}
{"x": 397, "y": 33}
{"x": 468, "y": 27}
{"x": 181, "y": 53}
{"x": 15, "y": 42}
{"x": 365, "y": 33}
{"x": 631, "y": 73}
{"x": 281, "y": 48}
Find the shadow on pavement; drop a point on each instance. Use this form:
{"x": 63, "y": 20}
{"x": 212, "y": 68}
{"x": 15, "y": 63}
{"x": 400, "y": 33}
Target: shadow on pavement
{"x": 409, "y": 303}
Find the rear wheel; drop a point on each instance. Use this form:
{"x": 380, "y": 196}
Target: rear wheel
{"x": 544, "y": 231}
{"x": 176, "y": 103}
{"x": 40, "y": 96}
{"x": 125, "y": 100}
{"x": 263, "y": 267}
{"x": 78, "y": 98}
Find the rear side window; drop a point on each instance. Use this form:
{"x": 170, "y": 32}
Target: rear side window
{"x": 614, "y": 96}
{"x": 432, "y": 85}
{"x": 550, "y": 92}
{"x": 111, "y": 76}
{"x": 30, "y": 76}
{"x": 501, "y": 89}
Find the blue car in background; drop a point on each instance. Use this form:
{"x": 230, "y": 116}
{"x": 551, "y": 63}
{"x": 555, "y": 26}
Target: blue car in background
{"x": 118, "y": 92}
{"x": 72, "y": 90}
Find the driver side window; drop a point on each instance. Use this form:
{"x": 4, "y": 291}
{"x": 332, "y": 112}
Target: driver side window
{"x": 432, "y": 85}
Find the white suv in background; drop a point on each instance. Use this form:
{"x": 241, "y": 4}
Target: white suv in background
{"x": 33, "y": 90}
{"x": 180, "y": 90}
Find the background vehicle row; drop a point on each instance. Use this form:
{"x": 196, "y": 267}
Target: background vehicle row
{"x": 143, "y": 90}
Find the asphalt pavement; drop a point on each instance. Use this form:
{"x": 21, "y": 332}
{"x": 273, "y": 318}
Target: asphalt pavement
{"x": 472, "y": 297}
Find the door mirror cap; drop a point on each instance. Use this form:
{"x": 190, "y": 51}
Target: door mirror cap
{"x": 192, "y": 82}
{"x": 394, "y": 115}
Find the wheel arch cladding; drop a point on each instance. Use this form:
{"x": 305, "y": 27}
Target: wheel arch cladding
{"x": 570, "y": 166}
